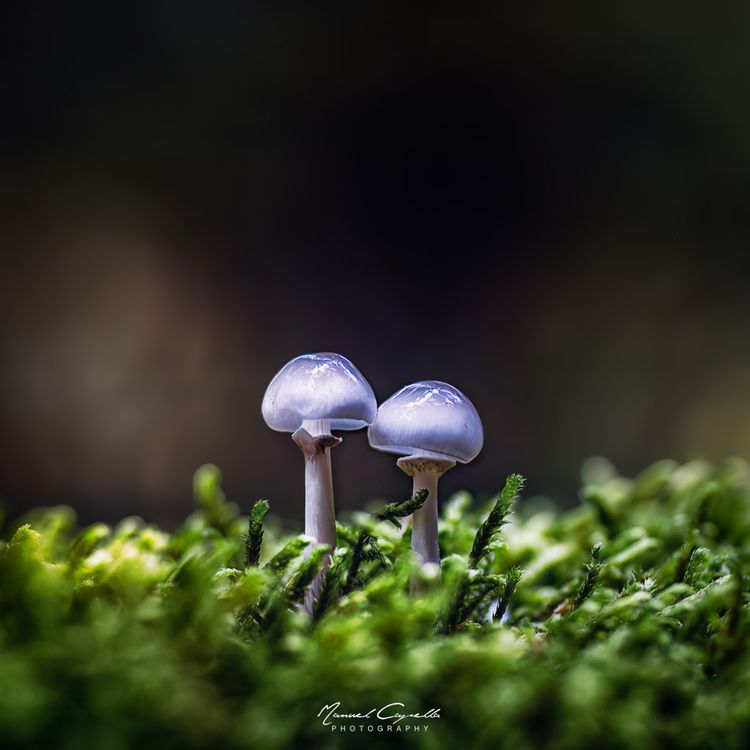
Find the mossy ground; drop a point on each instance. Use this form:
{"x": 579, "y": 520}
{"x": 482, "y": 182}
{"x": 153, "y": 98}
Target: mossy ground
{"x": 132, "y": 637}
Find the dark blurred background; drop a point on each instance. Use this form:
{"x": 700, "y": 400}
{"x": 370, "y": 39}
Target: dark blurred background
{"x": 547, "y": 209}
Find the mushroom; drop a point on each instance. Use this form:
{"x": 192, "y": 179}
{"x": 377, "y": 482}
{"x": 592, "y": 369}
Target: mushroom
{"x": 310, "y": 396}
{"x": 433, "y": 426}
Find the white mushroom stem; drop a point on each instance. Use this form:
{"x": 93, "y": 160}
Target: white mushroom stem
{"x": 424, "y": 534}
{"x": 315, "y": 441}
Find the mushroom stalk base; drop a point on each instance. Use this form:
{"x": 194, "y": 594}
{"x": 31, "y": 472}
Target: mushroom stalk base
{"x": 320, "y": 514}
{"x": 424, "y": 534}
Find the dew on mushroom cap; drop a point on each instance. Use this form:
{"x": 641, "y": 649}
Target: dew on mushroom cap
{"x": 430, "y": 419}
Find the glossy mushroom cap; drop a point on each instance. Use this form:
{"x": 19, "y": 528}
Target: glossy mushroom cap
{"x": 319, "y": 386}
{"x": 428, "y": 419}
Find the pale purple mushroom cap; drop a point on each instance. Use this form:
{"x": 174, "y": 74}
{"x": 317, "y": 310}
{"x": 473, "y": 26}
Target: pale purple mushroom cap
{"x": 428, "y": 419}
{"x": 319, "y": 386}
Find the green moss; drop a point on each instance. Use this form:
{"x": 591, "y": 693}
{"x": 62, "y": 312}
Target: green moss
{"x": 135, "y": 637}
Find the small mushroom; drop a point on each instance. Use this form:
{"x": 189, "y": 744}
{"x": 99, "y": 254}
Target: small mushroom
{"x": 433, "y": 426}
{"x": 310, "y": 396}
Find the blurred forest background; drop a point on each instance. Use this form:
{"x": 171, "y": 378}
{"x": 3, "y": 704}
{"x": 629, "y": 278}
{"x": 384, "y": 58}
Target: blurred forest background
{"x": 547, "y": 209}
